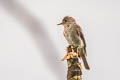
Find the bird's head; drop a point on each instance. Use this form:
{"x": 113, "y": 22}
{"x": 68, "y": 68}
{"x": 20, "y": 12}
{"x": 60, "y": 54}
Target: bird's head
{"x": 67, "y": 20}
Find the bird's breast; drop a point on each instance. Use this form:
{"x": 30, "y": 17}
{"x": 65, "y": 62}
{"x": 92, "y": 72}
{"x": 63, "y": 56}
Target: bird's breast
{"x": 71, "y": 36}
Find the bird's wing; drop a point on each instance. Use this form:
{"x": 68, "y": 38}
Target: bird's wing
{"x": 79, "y": 32}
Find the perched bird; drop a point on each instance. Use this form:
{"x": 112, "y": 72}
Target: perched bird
{"x": 75, "y": 38}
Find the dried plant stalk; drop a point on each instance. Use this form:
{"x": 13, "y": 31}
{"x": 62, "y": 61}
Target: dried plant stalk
{"x": 74, "y": 66}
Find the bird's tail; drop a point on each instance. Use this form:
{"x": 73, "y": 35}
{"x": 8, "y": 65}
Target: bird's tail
{"x": 85, "y": 62}
{"x": 82, "y": 55}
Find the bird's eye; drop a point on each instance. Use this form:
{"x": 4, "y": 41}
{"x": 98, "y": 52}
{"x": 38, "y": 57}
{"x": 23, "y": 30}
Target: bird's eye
{"x": 65, "y": 20}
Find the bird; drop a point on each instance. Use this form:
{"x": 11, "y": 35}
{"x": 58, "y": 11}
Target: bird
{"x": 75, "y": 38}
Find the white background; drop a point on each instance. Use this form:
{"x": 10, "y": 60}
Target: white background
{"x": 31, "y": 44}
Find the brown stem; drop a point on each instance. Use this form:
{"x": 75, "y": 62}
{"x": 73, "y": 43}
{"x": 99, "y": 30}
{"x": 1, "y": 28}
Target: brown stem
{"x": 74, "y": 67}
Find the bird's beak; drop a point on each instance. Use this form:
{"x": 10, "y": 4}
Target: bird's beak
{"x": 60, "y": 24}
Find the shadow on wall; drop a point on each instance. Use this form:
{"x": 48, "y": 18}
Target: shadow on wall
{"x": 42, "y": 39}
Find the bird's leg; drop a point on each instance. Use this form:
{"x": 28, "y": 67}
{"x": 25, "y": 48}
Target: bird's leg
{"x": 69, "y": 49}
{"x": 75, "y": 49}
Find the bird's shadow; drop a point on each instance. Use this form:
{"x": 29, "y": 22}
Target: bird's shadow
{"x": 49, "y": 50}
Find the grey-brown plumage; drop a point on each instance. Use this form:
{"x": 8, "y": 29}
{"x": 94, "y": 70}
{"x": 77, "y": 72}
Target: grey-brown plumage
{"x": 74, "y": 36}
